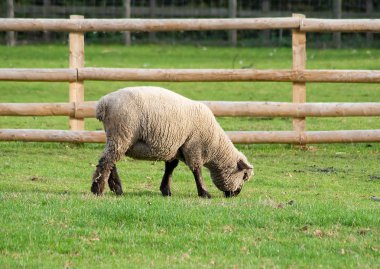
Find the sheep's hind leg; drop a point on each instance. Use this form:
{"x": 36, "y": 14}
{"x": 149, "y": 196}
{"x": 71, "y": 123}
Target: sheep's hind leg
{"x": 167, "y": 178}
{"x": 201, "y": 187}
{"x": 101, "y": 174}
{"x": 111, "y": 155}
{"x": 114, "y": 182}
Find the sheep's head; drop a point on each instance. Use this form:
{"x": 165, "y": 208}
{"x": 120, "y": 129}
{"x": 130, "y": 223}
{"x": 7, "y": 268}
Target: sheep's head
{"x": 231, "y": 179}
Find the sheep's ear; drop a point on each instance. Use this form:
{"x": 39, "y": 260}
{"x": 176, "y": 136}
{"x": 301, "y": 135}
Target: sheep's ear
{"x": 243, "y": 165}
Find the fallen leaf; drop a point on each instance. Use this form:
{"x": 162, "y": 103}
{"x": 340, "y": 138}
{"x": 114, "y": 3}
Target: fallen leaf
{"x": 244, "y": 250}
{"x": 228, "y": 229}
{"x": 363, "y": 231}
{"x": 318, "y": 233}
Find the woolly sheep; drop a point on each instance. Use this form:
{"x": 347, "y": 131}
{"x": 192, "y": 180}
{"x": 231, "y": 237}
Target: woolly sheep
{"x": 153, "y": 123}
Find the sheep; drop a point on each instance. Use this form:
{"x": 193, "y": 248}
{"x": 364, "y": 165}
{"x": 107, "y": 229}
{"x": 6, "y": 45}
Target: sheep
{"x": 152, "y": 123}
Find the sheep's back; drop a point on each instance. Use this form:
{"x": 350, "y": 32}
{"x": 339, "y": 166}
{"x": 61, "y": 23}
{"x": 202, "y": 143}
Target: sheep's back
{"x": 157, "y": 121}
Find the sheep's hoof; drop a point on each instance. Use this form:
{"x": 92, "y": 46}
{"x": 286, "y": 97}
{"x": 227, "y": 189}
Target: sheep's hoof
{"x": 166, "y": 192}
{"x": 116, "y": 188}
{"x": 204, "y": 194}
{"x": 118, "y": 191}
{"x": 97, "y": 188}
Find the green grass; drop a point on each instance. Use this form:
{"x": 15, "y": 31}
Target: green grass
{"x": 49, "y": 219}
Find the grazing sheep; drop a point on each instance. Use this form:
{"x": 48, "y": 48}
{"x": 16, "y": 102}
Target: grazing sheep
{"x": 153, "y": 123}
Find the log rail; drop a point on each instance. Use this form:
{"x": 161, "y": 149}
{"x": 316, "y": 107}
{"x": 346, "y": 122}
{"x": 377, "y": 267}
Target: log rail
{"x": 155, "y": 25}
{"x": 239, "y": 137}
{"x": 187, "y": 75}
{"x": 219, "y": 108}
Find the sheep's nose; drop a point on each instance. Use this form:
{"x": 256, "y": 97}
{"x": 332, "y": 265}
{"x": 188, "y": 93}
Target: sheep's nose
{"x": 228, "y": 194}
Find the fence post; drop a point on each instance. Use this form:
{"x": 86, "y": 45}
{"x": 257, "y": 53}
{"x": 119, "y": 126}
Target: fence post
{"x": 369, "y": 10}
{"x": 299, "y": 63}
{"x": 152, "y": 15}
{"x": 45, "y": 12}
{"x": 232, "y": 10}
{"x": 337, "y": 9}
{"x": 265, "y": 8}
{"x": 127, "y": 11}
{"x": 11, "y": 35}
{"x": 76, "y": 94}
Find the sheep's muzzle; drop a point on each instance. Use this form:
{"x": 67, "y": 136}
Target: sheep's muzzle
{"x": 228, "y": 194}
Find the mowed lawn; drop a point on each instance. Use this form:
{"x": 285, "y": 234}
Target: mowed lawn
{"x": 302, "y": 209}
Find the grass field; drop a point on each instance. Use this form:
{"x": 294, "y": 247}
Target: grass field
{"x": 303, "y": 209}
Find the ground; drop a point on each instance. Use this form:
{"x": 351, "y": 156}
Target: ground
{"x": 304, "y": 208}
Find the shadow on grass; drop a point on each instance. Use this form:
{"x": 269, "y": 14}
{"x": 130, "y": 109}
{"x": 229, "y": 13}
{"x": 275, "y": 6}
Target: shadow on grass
{"x": 107, "y": 193}
{"x": 143, "y": 193}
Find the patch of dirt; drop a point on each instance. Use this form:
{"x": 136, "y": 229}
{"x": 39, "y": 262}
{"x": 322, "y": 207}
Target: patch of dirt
{"x": 316, "y": 169}
{"x": 364, "y": 231}
{"x": 374, "y": 177}
{"x": 277, "y": 205}
{"x": 326, "y": 170}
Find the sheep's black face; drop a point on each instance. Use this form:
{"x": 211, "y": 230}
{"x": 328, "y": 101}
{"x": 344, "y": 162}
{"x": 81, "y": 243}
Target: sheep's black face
{"x": 228, "y": 194}
{"x": 230, "y": 180}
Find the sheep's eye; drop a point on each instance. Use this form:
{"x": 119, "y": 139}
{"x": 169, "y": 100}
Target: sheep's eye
{"x": 245, "y": 176}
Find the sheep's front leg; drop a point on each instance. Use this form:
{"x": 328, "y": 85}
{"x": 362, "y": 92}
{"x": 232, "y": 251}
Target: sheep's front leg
{"x": 167, "y": 178}
{"x": 114, "y": 182}
{"x": 202, "y": 191}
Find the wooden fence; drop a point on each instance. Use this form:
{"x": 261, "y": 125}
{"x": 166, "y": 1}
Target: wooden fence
{"x": 77, "y": 109}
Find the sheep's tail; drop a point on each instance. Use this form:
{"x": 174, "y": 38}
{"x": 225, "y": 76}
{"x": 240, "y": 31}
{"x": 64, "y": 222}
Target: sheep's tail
{"x": 101, "y": 110}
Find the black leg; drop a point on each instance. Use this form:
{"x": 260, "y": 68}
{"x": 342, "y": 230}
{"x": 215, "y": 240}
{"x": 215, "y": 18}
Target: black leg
{"x": 202, "y": 191}
{"x": 114, "y": 150}
{"x": 101, "y": 174}
{"x": 114, "y": 182}
{"x": 167, "y": 178}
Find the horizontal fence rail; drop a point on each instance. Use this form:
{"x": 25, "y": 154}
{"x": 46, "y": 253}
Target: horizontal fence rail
{"x": 76, "y": 110}
{"x": 283, "y": 109}
{"x": 316, "y": 137}
{"x": 37, "y": 109}
{"x": 145, "y": 25}
{"x": 39, "y": 74}
{"x": 219, "y": 108}
{"x": 188, "y": 75}
{"x": 193, "y": 75}
{"x": 340, "y": 25}
{"x": 30, "y": 135}
{"x": 240, "y": 137}
{"x": 155, "y": 25}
